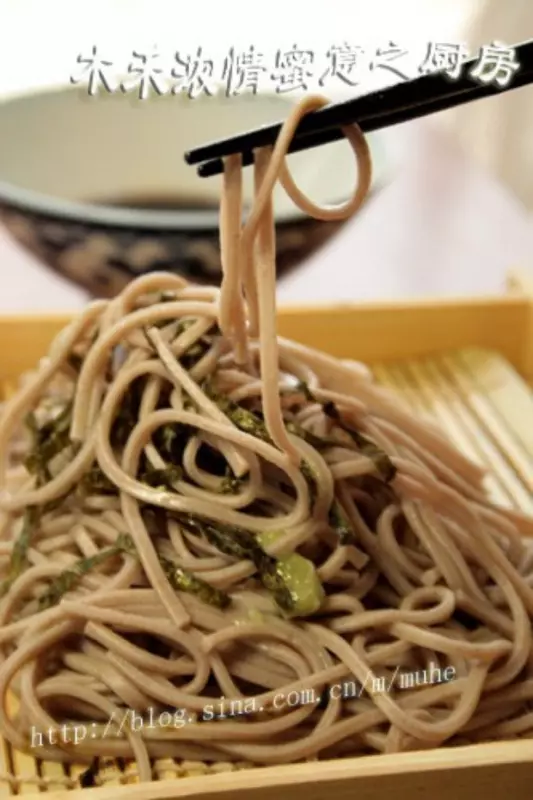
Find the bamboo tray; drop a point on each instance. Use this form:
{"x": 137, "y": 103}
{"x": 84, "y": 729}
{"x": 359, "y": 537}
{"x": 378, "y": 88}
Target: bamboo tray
{"x": 469, "y": 364}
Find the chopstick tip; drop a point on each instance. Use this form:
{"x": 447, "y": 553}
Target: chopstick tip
{"x": 210, "y": 168}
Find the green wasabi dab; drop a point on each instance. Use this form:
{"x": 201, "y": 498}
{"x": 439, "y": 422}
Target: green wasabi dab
{"x": 299, "y": 576}
{"x": 291, "y": 579}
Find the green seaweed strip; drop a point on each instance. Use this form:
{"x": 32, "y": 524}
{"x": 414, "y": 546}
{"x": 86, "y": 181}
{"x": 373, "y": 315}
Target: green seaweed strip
{"x": 95, "y": 480}
{"x": 340, "y": 524}
{"x": 128, "y": 414}
{"x": 242, "y": 418}
{"x": 184, "y": 581}
{"x": 249, "y": 422}
{"x": 19, "y": 555}
{"x": 66, "y": 580}
{"x": 366, "y": 446}
{"x": 230, "y": 483}
{"x": 161, "y": 478}
{"x": 241, "y": 544}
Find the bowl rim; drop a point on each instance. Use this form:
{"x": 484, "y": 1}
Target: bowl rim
{"x": 42, "y": 204}
{"x": 95, "y": 214}
{"x": 27, "y": 201}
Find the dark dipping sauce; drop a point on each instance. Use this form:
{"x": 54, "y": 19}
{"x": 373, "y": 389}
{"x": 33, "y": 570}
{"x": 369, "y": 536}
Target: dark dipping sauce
{"x": 158, "y": 202}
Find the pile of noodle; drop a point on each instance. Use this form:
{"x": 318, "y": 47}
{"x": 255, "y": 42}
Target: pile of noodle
{"x": 414, "y": 566}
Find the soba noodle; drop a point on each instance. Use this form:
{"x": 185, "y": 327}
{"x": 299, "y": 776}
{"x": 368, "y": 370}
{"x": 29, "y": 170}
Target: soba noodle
{"x": 199, "y": 515}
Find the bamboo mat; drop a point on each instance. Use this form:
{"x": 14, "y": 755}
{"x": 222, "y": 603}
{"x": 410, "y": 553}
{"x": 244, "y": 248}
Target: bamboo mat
{"x": 484, "y": 407}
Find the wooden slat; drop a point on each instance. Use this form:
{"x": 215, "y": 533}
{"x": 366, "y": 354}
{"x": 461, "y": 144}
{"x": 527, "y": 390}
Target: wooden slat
{"x": 509, "y": 395}
{"x": 491, "y": 771}
{"x": 492, "y": 422}
{"x": 167, "y": 769}
{"x": 413, "y": 381}
{"x": 23, "y": 764}
{"x": 506, "y": 487}
{"x": 130, "y": 773}
{"x": 6, "y": 769}
{"x": 54, "y": 775}
{"x": 110, "y": 773}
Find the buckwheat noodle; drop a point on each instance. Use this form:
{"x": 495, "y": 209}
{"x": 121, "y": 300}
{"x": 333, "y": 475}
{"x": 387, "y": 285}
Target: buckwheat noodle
{"x": 197, "y": 514}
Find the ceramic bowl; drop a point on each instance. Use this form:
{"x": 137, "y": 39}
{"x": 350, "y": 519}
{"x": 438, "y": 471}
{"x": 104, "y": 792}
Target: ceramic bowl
{"x": 97, "y": 187}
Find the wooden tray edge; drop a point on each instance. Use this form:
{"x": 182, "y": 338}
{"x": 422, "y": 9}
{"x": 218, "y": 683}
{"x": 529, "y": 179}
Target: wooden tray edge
{"x": 339, "y": 779}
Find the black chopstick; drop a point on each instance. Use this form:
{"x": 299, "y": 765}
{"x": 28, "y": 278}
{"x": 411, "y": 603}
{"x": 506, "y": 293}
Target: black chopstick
{"x": 377, "y": 122}
{"x": 400, "y": 103}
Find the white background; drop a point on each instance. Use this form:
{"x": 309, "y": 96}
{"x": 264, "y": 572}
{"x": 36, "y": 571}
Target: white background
{"x": 41, "y": 39}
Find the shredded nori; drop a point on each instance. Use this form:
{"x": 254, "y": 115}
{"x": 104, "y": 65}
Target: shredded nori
{"x": 184, "y": 581}
{"x": 340, "y": 524}
{"x": 161, "y": 478}
{"x": 211, "y": 460}
{"x": 171, "y": 440}
{"x": 251, "y": 423}
{"x": 47, "y": 442}
{"x": 367, "y": 447}
{"x": 318, "y": 442}
{"x": 19, "y": 554}
{"x": 230, "y": 483}
{"x": 381, "y": 460}
{"x": 336, "y": 517}
{"x": 96, "y": 481}
{"x": 199, "y": 348}
{"x": 310, "y": 478}
{"x": 166, "y": 297}
{"x": 67, "y": 579}
{"x": 180, "y": 579}
{"x": 128, "y": 414}
{"x": 196, "y": 352}
{"x": 247, "y": 421}
{"x": 241, "y": 544}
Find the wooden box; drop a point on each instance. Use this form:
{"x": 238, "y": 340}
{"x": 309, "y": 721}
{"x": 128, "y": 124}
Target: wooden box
{"x": 497, "y": 336}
